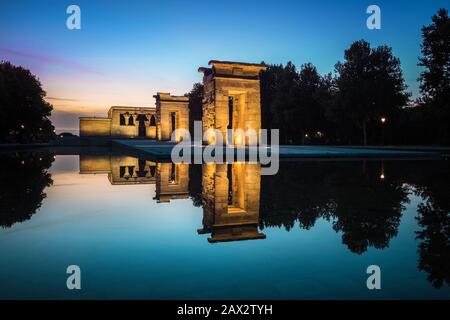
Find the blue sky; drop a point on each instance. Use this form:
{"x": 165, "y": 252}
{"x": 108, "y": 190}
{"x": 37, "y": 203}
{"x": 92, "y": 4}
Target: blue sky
{"x": 128, "y": 50}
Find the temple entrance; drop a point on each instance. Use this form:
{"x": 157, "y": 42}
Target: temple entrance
{"x": 230, "y": 184}
{"x": 152, "y": 121}
{"x": 230, "y": 113}
{"x": 173, "y": 122}
{"x": 172, "y": 175}
{"x": 236, "y": 118}
{"x": 142, "y": 131}
{"x": 236, "y": 194}
{"x": 141, "y": 172}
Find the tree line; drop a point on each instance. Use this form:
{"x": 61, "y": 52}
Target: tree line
{"x": 365, "y": 101}
{"x": 24, "y": 113}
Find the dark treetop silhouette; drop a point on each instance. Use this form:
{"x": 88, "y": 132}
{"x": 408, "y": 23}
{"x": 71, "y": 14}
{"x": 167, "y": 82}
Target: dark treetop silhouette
{"x": 24, "y": 114}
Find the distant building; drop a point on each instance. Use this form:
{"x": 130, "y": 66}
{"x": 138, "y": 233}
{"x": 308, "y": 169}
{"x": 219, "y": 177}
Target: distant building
{"x": 126, "y": 122}
{"x": 171, "y": 112}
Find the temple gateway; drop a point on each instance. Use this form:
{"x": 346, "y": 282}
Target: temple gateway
{"x": 231, "y": 100}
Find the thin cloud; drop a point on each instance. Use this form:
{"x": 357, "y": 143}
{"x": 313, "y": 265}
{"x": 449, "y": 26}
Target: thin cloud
{"x": 51, "y": 60}
{"x": 62, "y": 99}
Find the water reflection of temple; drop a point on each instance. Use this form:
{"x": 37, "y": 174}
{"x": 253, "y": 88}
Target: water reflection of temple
{"x": 120, "y": 169}
{"x": 171, "y": 180}
{"x": 231, "y": 201}
{"x": 230, "y": 192}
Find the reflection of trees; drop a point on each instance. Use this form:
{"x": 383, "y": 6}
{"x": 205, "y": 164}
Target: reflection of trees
{"x": 434, "y": 219}
{"x": 369, "y": 208}
{"x": 434, "y": 250}
{"x": 195, "y": 184}
{"x": 23, "y": 178}
{"x": 298, "y": 192}
{"x": 365, "y": 208}
{"x": 364, "y": 201}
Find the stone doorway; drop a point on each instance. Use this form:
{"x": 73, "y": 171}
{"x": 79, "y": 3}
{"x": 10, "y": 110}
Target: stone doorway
{"x": 173, "y": 122}
{"x": 142, "y": 130}
{"x": 236, "y": 118}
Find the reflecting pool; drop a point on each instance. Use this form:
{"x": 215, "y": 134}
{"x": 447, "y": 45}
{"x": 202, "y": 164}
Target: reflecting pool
{"x": 141, "y": 229}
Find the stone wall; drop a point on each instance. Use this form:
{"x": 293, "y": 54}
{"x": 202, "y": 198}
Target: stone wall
{"x": 127, "y": 130}
{"x": 95, "y": 127}
{"x": 93, "y": 164}
{"x": 112, "y": 126}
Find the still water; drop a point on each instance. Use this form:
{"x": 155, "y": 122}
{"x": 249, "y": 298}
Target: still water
{"x": 139, "y": 229}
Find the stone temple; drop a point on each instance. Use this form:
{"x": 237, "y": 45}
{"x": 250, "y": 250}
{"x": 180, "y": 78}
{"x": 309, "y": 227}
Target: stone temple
{"x": 171, "y": 112}
{"x": 231, "y": 100}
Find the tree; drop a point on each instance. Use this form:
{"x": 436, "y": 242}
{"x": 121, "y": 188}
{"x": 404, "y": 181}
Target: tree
{"x": 24, "y": 114}
{"x": 195, "y": 105}
{"x": 435, "y": 79}
{"x": 269, "y": 89}
{"x": 370, "y": 85}
{"x": 312, "y": 98}
{"x": 293, "y": 101}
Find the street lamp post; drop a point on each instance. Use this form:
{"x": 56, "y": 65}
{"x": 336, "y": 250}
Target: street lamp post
{"x": 383, "y": 121}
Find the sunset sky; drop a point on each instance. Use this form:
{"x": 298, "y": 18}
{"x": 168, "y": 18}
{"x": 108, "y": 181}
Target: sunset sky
{"x": 126, "y": 51}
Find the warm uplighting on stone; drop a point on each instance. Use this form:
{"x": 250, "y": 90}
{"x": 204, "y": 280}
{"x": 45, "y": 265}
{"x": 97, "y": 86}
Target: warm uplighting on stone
{"x": 231, "y": 201}
{"x": 127, "y": 122}
{"x": 172, "y": 113}
{"x": 231, "y": 98}
{"x": 171, "y": 180}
